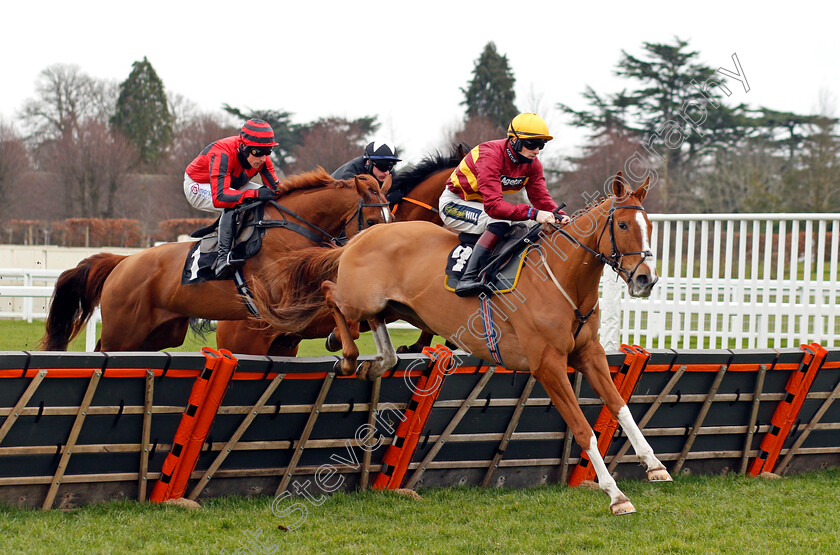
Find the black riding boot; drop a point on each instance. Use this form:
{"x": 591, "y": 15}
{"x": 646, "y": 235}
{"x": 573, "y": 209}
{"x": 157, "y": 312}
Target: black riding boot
{"x": 222, "y": 266}
{"x": 469, "y": 284}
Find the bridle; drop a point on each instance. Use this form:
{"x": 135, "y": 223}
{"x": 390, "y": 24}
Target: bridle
{"x": 613, "y": 260}
{"x": 615, "y": 257}
{"x": 386, "y": 215}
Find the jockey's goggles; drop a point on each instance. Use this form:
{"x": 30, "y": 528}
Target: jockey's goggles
{"x": 259, "y": 151}
{"x": 534, "y": 144}
{"x": 384, "y": 165}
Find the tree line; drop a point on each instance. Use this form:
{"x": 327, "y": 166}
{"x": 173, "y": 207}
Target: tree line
{"x": 89, "y": 148}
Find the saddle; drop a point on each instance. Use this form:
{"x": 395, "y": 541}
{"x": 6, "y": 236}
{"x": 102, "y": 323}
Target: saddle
{"x": 247, "y": 241}
{"x": 501, "y": 273}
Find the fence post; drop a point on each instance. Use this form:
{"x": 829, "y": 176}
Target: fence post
{"x": 610, "y": 330}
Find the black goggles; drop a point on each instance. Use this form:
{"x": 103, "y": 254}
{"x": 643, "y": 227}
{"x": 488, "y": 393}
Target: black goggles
{"x": 534, "y": 144}
{"x": 384, "y": 165}
{"x": 253, "y": 151}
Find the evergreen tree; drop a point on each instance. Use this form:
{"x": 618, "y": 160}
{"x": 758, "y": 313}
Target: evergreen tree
{"x": 490, "y": 94}
{"x": 676, "y": 113}
{"x": 142, "y": 114}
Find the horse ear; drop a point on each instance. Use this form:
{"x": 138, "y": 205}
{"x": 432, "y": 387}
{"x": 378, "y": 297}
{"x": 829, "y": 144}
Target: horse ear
{"x": 620, "y": 188}
{"x": 642, "y": 191}
{"x": 386, "y": 185}
{"x": 462, "y": 150}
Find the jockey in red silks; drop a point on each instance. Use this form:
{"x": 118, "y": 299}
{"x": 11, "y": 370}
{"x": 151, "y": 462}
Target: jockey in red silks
{"x": 219, "y": 179}
{"x": 473, "y": 200}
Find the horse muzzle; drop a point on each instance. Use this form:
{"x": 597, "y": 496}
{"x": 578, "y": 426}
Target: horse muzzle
{"x": 641, "y": 285}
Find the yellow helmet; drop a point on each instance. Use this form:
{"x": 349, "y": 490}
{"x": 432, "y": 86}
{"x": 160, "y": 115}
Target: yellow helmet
{"x": 528, "y": 125}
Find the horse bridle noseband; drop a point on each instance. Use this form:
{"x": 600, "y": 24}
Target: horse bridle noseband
{"x": 360, "y": 217}
{"x": 614, "y": 260}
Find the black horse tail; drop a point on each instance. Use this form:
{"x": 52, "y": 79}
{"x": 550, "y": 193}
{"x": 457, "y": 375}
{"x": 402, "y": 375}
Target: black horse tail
{"x": 77, "y": 293}
{"x": 288, "y": 295}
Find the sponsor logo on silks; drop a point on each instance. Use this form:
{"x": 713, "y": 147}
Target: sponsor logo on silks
{"x": 461, "y": 212}
{"x": 194, "y": 189}
{"x": 514, "y": 183}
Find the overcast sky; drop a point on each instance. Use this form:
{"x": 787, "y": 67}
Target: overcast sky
{"x": 406, "y": 61}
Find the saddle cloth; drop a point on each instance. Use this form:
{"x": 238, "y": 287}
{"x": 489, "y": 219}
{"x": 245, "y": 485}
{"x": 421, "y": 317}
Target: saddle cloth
{"x": 247, "y": 242}
{"x": 505, "y": 263}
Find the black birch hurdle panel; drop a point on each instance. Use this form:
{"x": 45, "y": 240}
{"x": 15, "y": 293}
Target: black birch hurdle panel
{"x": 77, "y": 428}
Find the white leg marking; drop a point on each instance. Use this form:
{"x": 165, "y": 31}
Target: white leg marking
{"x": 384, "y": 347}
{"x": 637, "y": 440}
{"x": 605, "y": 481}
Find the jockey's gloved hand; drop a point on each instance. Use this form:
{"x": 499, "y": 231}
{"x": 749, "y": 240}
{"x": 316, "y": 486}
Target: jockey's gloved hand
{"x": 545, "y": 217}
{"x": 265, "y": 193}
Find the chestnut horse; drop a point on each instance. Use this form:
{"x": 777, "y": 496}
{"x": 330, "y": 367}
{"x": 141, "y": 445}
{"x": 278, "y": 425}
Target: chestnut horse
{"x": 418, "y": 187}
{"x": 548, "y": 323}
{"x": 146, "y": 307}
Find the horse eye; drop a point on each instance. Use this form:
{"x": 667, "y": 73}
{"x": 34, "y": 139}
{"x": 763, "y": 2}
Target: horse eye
{"x": 622, "y": 225}
{"x": 371, "y": 222}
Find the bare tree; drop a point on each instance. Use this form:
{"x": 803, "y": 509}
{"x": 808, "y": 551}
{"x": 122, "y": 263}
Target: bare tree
{"x": 14, "y": 163}
{"x": 475, "y": 131}
{"x": 602, "y": 158}
{"x": 329, "y": 143}
{"x": 742, "y": 179}
{"x": 66, "y": 97}
{"x": 91, "y": 167}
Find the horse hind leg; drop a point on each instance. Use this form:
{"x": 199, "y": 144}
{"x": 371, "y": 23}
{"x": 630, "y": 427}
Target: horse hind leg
{"x": 424, "y": 340}
{"x": 386, "y": 356}
{"x": 349, "y": 352}
{"x": 170, "y": 333}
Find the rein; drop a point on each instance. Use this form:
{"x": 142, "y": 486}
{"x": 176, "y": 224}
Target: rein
{"x": 325, "y": 237}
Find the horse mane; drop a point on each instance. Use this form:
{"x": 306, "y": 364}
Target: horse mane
{"x": 310, "y": 180}
{"x": 405, "y": 180}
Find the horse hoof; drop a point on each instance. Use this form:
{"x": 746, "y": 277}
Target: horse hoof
{"x": 333, "y": 343}
{"x": 344, "y": 368}
{"x": 362, "y": 372}
{"x": 659, "y": 475}
{"x": 407, "y": 349}
{"x": 622, "y": 508}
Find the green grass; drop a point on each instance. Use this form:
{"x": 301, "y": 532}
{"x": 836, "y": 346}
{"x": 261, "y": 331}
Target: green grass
{"x": 695, "y": 514}
{"x": 17, "y": 335}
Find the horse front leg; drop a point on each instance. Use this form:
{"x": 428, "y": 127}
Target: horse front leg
{"x": 350, "y": 352}
{"x": 591, "y": 361}
{"x": 551, "y": 373}
{"x": 386, "y": 356}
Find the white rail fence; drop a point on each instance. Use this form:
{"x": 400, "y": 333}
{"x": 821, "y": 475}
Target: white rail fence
{"x": 735, "y": 281}
{"x": 727, "y": 281}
